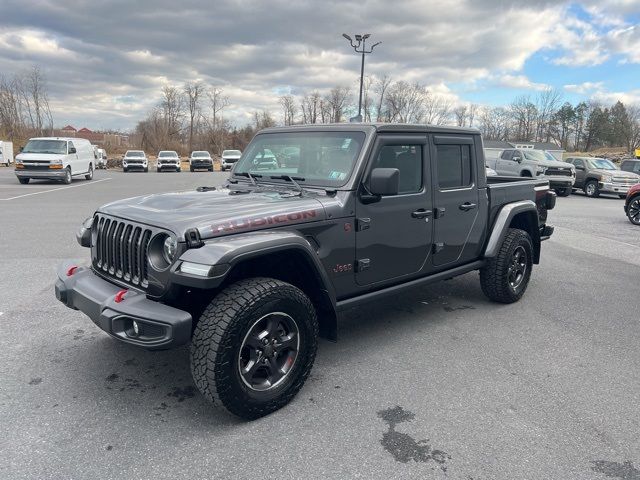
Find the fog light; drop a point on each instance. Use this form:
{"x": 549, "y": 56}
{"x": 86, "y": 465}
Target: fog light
{"x": 136, "y": 328}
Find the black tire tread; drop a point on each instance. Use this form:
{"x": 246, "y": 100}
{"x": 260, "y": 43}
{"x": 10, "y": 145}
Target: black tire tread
{"x": 493, "y": 276}
{"x": 209, "y": 340}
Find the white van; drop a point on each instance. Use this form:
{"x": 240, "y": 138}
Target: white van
{"x": 6, "y": 152}
{"x": 55, "y": 158}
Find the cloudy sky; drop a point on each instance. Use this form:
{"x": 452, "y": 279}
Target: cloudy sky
{"x": 106, "y": 62}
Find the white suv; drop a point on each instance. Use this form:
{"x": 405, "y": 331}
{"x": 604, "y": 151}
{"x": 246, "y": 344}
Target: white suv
{"x": 168, "y": 159}
{"x": 135, "y": 160}
{"x": 229, "y": 159}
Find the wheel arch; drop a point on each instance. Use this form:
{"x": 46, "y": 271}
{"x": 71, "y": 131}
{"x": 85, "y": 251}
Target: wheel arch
{"x": 285, "y": 256}
{"x": 522, "y": 215}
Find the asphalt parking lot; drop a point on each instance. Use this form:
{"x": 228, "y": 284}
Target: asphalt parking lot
{"x": 438, "y": 383}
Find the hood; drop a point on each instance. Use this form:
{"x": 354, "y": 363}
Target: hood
{"x": 40, "y": 157}
{"x": 231, "y": 157}
{"x": 616, "y": 173}
{"x": 219, "y": 212}
{"x": 555, "y": 164}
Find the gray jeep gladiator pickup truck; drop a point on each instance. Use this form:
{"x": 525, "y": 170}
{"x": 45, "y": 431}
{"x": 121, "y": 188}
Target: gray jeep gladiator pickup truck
{"x": 253, "y": 272}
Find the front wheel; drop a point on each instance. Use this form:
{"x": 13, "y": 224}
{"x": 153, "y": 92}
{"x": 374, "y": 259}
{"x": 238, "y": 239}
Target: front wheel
{"x": 24, "y": 181}
{"x": 89, "y": 175}
{"x": 67, "y": 176}
{"x": 591, "y": 189}
{"x": 254, "y": 346}
{"x": 564, "y": 192}
{"x": 633, "y": 210}
{"x": 505, "y": 277}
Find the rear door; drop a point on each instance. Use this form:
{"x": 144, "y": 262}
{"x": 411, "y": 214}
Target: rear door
{"x": 394, "y": 234}
{"x": 455, "y": 200}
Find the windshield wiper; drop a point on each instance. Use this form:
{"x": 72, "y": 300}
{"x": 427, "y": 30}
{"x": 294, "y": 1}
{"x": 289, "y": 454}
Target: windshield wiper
{"x": 290, "y": 179}
{"x": 249, "y": 176}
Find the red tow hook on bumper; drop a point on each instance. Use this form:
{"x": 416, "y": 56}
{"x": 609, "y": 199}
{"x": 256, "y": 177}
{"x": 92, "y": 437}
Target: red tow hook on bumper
{"x": 71, "y": 270}
{"x": 120, "y": 295}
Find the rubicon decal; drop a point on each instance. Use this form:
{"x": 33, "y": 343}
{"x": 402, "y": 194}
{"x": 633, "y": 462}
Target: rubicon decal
{"x": 256, "y": 222}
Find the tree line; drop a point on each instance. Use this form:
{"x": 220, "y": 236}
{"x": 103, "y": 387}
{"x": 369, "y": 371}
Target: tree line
{"x": 192, "y": 116}
{"x": 584, "y": 126}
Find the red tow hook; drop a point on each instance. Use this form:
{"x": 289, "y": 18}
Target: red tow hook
{"x": 71, "y": 270}
{"x": 120, "y": 295}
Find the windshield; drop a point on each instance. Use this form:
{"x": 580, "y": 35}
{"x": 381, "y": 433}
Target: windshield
{"x": 46, "y": 146}
{"x": 602, "y": 164}
{"x": 167, "y": 154}
{"x": 200, "y": 154}
{"x": 135, "y": 154}
{"x": 535, "y": 155}
{"x": 548, "y": 156}
{"x": 232, "y": 152}
{"x": 321, "y": 158}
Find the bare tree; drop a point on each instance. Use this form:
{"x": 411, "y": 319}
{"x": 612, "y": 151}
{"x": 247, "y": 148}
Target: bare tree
{"x": 524, "y": 115}
{"x": 218, "y": 101}
{"x": 263, "y": 119}
{"x": 289, "y": 109}
{"x": 460, "y": 114}
{"x": 380, "y": 87}
{"x": 337, "y": 101}
{"x": 310, "y": 106}
{"x": 193, "y": 92}
{"x": 547, "y": 103}
{"x": 405, "y": 102}
{"x": 172, "y": 108}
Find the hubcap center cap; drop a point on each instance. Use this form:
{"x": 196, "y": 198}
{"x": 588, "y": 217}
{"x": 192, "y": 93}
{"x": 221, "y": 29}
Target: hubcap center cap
{"x": 268, "y": 351}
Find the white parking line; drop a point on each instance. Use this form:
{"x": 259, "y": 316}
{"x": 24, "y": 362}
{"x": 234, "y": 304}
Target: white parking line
{"x": 56, "y": 189}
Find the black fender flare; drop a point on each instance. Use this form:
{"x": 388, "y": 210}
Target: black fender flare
{"x": 502, "y": 222}
{"x": 222, "y": 254}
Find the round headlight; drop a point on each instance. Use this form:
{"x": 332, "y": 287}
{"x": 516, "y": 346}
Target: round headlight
{"x": 169, "y": 249}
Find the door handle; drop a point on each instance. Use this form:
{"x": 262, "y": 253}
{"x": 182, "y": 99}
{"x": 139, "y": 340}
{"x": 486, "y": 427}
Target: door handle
{"x": 467, "y": 206}
{"x": 422, "y": 213}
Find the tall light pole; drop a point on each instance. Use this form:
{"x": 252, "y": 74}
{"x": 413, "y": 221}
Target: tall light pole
{"x": 360, "y": 47}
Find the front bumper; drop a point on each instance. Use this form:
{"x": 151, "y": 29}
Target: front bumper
{"x": 51, "y": 174}
{"x": 174, "y": 166}
{"x": 159, "y": 326}
{"x": 560, "y": 181}
{"x": 132, "y": 166}
{"x": 619, "y": 188}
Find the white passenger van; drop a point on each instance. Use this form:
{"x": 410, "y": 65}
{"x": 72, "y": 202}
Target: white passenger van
{"x": 55, "y": 158}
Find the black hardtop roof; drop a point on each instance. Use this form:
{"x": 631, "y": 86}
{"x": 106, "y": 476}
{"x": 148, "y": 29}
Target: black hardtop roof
{"x": 370, "y": 127}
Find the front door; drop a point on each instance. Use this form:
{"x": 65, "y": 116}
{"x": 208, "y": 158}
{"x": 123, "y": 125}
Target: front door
{"x": 455, "y": 200}
{"x": 393, "y": 235}
{"x": 505, "y": 165}
{"x": 581, "y": 172}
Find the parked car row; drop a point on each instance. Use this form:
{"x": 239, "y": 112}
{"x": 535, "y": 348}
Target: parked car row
{"x": 170, "y": 160}
{"x": 599, "y": 175}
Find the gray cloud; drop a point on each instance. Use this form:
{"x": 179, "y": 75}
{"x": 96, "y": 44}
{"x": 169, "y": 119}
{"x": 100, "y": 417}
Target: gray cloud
{"x": 106, "y": 61}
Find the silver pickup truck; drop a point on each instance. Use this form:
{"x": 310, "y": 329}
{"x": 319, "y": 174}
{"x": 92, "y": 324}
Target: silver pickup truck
{"x": 524, "y": 162}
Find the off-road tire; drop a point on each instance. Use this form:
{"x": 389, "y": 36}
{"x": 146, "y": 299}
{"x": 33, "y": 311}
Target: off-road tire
{"x": 219, "y": 335}
{"x": 24, "y": 181}
{"x": 595, "y": 192}
{"x": 564, "y": 192}
{"x": 494, "y": 276}
{"x": 89, "y": 175}
{"x": 68, "y": 178}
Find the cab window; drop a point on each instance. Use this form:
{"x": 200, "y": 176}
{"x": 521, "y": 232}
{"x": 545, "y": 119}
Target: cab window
{"x": 408, "y": 160}
{"x": 454, "y": 166}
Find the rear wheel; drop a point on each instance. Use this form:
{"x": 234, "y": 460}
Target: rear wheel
{"x": 254, "y": 346}
{"x": 506, "y": 276}
{"x": 24, "y": 181}
{"x": 591, "y": 189}
{"x": 67, "y": 176}
{"x": 89, "y": 175}
{"x": 633, "y": 210}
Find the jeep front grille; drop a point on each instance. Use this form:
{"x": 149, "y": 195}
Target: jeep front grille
{"x": 119, "y": 249}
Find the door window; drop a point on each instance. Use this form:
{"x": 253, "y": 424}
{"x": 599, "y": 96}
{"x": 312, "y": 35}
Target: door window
{"x": 70, "y": 146}
{"x": 454, "y": 166}
{"x": 506, "y": 155}
{"x": 578, "y": 163}
{"x": 408, "y": 160}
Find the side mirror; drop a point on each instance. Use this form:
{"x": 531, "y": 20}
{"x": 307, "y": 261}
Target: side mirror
{"x": 72, "y": 150}
{"x": 384, "y": 181}
{"x": 517, "y": 159}
{"x": 21, "y": 149}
